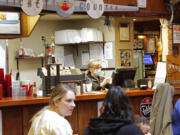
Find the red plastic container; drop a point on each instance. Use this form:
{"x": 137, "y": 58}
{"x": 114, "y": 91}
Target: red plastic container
{"x": 30, "y": 90}
{"x": 2, "y": 78}
{"x": 1, "y": 75}
{"x": 8, "y": 85}
{"x": 1, "y": 91}
{"x": 26, "y": 87}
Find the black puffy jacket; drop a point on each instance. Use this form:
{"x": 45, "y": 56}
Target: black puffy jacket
{"x": 107, "y": 126}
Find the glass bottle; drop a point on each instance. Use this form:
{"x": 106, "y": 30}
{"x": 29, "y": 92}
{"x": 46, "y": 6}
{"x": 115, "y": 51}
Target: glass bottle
{"x": 34, "y": 90}
{"x": 149, "y": 82}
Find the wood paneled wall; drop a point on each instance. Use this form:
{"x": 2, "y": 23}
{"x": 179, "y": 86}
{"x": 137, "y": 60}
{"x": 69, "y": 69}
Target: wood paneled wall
{"x": 155, "y": 8}
{"x": 121, "y": 2}
{"x": 123, "y": 45}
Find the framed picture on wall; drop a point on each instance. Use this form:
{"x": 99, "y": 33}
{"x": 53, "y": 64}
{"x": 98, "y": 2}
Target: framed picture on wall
{"x": 138, "y": 44}
{"x": 125, "y": 58}
{"x": 151, "y": 44}
{"x": 124, "y": 32}
{"x": 176, "y": 33}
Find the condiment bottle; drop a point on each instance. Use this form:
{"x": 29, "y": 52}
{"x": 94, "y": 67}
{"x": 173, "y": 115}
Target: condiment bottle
{"x": 34, "y": 90}
{"x": 149, "y": 82}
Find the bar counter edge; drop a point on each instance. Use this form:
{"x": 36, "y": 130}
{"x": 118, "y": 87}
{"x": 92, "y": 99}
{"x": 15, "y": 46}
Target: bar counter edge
{"x": 29, "y": 100}
{"x": 18, "y": 111}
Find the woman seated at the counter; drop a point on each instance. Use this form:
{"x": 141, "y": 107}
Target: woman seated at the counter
{"x": 51, "y": 119}
{"x": 93, "y": 76}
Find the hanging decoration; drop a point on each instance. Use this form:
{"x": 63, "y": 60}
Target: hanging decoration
{"x": 32, "y": 7}
{"x": 95, "y": 8}
{"x": 64, "y": 8}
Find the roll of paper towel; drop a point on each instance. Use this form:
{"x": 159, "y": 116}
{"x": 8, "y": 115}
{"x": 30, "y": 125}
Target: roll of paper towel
{"x": 67, "y": 36}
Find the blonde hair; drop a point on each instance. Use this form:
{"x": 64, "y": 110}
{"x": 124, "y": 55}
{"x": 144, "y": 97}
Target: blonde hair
{"x": 57, "y": 94}
{"x": 59, "y": 91}
{"x": 94, "y": 64}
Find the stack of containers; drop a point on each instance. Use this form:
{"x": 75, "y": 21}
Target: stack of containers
{"x": 22, "y": 88}
{"x": 1, "y": 93}
{"x": 15, "y": 88}
{"x": 18, "y": 89}
{"x": 5, "y": 84}
{"x": 2, "y": 81}
{"x": 8, "y": 85}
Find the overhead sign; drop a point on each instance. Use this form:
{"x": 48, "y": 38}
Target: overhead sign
{"x": 32, "y": 7}
{"x": 64, "y": 8}
{"x": 145, "y": 107}
{"x": 95, "y": 8}
{"x": 81, "y": 6}
{"x": 122, "y": 8}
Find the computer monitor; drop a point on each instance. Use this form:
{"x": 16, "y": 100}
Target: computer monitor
{"x": 148, "y": 60}
{"x": 124, "y": 77}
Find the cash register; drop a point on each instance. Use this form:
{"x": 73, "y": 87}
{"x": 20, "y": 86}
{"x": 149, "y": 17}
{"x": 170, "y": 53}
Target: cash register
{"x": 124, "y": 77}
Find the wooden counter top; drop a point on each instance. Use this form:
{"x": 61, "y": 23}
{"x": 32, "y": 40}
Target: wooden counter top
{"x": 22, "y": 100}
{"x": 28, "y": 100}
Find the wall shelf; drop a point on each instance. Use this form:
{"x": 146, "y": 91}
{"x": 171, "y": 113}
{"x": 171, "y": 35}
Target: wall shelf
{"x": 29, "y": 58}
{"x": 82, "y": 43}
{"x": 32, "y": 57}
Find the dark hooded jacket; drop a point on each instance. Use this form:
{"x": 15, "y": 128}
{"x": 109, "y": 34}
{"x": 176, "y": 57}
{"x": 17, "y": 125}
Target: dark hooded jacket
{"x": 109, "y": 126}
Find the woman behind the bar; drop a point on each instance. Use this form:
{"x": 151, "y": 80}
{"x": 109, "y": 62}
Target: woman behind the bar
{"x": 117, "y": 117}
{"x": 51, "y": 119}
{"x": 93, "y": 76}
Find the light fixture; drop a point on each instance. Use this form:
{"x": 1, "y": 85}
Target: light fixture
{"x": 134, "y": 19}
{"x": 141, "y": 37}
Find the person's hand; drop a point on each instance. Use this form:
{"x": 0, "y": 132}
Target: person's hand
{"x": 145, "y": 128}
{"x": 101, "y": 110}
{"x": 105, "y": 81}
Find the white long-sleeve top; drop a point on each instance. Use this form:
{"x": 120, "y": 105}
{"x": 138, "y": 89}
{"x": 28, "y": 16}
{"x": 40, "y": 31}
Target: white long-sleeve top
{"x": 50, "y": 123}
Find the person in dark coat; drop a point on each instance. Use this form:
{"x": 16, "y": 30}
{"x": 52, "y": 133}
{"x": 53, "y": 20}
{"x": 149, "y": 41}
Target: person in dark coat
{"x": 117, "y": 117}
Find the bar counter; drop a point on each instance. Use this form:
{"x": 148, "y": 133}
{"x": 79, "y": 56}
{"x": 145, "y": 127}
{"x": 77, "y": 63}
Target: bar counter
{"x": 29, "y": 100}
{"x": 18, "y": 111}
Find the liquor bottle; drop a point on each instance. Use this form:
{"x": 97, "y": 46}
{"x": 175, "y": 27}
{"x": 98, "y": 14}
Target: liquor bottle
{"x": 34, "y": 90}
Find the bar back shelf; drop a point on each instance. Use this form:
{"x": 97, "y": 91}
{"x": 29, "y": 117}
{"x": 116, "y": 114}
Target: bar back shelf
{"x": 49, "y": 81}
